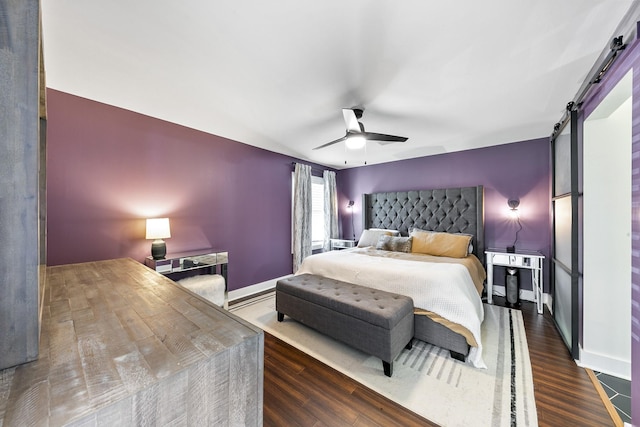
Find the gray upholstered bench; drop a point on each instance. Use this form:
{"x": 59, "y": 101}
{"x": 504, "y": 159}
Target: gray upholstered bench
{"x": 376, "y": 322}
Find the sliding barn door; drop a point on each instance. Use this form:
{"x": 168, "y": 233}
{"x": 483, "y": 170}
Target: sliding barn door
{"x": 565, "y": 274}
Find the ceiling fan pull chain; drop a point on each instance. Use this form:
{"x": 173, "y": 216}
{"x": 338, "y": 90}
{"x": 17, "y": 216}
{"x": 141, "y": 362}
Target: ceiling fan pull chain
{"x": 365, "y": 153}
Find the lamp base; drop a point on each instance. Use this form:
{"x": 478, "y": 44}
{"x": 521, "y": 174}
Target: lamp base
{"x": 511, "y": 249}
{"x": 158, "y": 249}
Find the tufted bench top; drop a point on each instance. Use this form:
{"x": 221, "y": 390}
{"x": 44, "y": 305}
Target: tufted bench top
{"x": 384, "y": 309}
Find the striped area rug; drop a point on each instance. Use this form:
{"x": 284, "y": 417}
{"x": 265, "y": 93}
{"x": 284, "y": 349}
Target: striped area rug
{"x": 425, "y": 379}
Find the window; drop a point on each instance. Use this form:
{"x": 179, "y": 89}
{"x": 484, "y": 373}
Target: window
{"x": 317, "y": 211}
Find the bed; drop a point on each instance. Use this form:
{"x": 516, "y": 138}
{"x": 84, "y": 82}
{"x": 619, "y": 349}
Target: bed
{"x": 446, "y": 290}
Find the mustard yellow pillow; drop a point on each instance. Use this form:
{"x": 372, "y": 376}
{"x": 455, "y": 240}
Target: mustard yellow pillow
{"x": 440, "y": 244}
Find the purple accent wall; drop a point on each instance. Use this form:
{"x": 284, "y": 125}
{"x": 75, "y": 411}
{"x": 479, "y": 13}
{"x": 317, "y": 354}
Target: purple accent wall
{"x": 630, "y": 60}
{"x": 518, "y": 170}
{"x": 108, "y": 169}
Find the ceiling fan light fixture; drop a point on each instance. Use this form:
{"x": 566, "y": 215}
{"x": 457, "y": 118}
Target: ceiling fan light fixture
{"x": 355, "y": 142}
{"x": 356, "y": 137}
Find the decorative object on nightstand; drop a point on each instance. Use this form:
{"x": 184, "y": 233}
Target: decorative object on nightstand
{"x": 350, "y": 207}
{"x": 337, "y": 244}
{"x": 158, "y": 229}
{"x": 513, "y": 205}
{"x": 530, "y": 260}
{"x": 512, "y": 290}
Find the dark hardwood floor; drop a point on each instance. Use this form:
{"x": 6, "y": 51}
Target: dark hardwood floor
{"x": 301, "y": 391}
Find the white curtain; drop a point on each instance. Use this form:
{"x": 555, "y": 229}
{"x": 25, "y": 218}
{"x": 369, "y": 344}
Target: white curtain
{"x": 330, "y": 209}
{"x": 301, "y": 214}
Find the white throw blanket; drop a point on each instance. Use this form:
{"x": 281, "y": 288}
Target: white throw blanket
{"x": 443, "y": 288}
{"x": 208, "y": 286}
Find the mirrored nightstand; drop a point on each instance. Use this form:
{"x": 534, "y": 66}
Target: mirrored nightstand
{"x": 338, "y": 244}
{"x": 179, "y": 266}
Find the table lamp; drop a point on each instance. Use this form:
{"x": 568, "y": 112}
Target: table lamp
{"x": 158, "y": 229}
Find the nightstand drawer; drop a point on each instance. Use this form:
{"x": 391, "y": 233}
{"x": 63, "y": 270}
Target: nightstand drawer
{"x": 511, "y": 260}
{"x": 501, "y": 259}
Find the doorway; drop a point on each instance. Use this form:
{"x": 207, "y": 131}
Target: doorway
{"x": 606, "y": 263}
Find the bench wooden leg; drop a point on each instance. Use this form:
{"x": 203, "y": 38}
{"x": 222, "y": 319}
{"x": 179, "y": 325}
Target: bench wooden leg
{"x": 280, "y": 317}
{"x": 388, "y": 368}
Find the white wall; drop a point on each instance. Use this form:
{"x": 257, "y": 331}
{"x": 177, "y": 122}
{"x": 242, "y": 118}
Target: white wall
{"x": 606, "y": 343}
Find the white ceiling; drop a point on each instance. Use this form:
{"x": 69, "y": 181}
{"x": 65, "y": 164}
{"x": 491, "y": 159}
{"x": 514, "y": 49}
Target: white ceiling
{"x": 449, "y": 76}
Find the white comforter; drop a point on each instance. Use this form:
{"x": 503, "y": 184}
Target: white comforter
{"x": 443, "y": 288}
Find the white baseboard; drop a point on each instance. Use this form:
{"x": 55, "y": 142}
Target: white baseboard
{"x": 548, "y": 301}
{"x": 248, "y": 291}
{"x": 605, "y": 363}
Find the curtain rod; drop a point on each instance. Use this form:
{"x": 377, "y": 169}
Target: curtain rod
{"x": 313, "y": 168}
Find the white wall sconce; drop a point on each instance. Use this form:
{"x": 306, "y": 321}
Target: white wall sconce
{"x": 513, "y": 206}
{"x": 350, "y": 208}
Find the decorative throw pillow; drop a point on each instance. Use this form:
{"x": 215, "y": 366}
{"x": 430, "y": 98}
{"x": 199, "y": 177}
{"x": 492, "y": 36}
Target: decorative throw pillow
{"x": 440, "y": 244}
{"x": 370, "y": 237}
{"x": 394, "y": 243}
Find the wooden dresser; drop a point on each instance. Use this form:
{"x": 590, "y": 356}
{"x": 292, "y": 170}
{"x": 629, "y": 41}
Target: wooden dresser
{"x": 123, "y": 345}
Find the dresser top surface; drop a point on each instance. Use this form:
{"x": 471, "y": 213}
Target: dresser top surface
{"x": 110, "y": 329}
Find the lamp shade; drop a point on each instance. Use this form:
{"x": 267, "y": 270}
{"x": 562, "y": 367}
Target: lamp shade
{"x": 158, "y": 228}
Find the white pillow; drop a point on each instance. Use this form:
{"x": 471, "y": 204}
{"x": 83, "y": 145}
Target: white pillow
{"x": 393, "y": 232}
{"x": 470, "y": 250}
{"x": 370, "y": 237}
{"x": 208, "y": 286}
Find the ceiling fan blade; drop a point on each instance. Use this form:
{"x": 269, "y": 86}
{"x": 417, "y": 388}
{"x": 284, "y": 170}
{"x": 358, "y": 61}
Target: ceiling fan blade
{"x": 332, "y": 142}
{"x": 350, "y": 120}
{"x": 382, "y": 138}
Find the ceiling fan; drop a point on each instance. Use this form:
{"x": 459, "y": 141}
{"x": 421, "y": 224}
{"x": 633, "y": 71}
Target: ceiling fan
{"x": 356, "y": 136}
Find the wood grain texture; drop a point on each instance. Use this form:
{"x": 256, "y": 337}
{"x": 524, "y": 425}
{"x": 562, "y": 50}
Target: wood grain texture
{"x": 301, "y": 391}
{"x": 19, "y": 182}
{"x": 124, "y": 345}
{"x": 564, "y": 393}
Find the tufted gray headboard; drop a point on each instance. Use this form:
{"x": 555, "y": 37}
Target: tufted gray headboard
{"x": 452, "y": 210}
